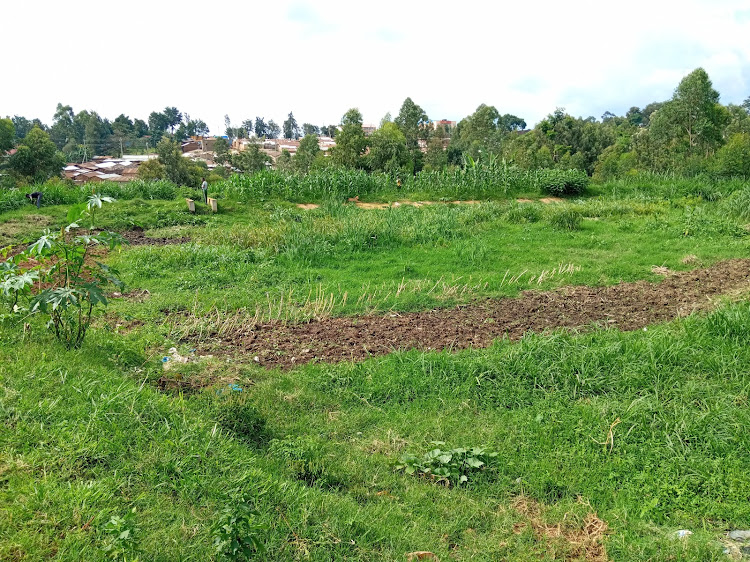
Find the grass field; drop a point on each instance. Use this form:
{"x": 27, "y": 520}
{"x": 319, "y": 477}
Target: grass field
{"x": 606, "y": 442}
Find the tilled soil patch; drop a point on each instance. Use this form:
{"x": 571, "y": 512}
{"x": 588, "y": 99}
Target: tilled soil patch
{"x": 136, "y": 237}
{"x": 627, "y": 306}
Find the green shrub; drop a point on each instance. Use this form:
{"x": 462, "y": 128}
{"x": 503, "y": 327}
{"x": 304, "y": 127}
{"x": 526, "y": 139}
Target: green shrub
{"x": 566, "y": 218}
{"x": 738, "y": 204}
{"x": 563, "y": 182}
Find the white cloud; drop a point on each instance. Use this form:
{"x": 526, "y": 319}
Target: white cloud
{"x": 320, "y": 58}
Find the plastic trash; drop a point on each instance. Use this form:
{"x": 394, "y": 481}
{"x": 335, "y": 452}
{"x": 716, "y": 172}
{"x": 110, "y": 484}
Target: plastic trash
{"x": 682, "y": 533}
{"x": 740, "y": 536}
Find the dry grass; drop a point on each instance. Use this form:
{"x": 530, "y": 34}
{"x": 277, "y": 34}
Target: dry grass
{"x": 15, "y": 229}
{"x": 319, "y": 304}
{"x": 660, "y": 270}
{"x": 569, "y": 539}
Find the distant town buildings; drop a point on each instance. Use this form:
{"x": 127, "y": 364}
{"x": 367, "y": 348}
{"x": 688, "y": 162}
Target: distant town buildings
{"x": 104, "y": 168}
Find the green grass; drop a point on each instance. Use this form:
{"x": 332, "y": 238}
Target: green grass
{"x": 88, "y": 436}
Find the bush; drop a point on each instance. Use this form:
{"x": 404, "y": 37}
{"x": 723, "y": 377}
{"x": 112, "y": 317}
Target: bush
{"x": 563, "y": 182}
{"x": 738, "y": 205}
{"x": 566, "y": 219}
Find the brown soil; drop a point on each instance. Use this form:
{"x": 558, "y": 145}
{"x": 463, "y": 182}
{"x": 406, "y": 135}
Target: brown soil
{"x": 363, "y": 205}
{"x": 135, "y": 237}
{"x": 545, "y": 200}
{"x": 627, "y": 306}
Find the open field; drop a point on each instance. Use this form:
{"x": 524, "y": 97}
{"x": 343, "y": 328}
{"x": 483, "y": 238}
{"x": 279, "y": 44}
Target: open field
{"x": 598, "y": 346}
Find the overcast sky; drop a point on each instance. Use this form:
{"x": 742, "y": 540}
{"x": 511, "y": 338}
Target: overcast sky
{"x": 318, "y": 59}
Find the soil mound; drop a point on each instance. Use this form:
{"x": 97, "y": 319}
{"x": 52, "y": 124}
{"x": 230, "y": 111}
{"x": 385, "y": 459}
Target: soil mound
{"x": 627, "y": 306}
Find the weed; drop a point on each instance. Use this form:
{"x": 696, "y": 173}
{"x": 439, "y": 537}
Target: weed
{"x": 121, "y": 542}
{"x": 237, "y": 535}
{"x": 565, "y": 218}
{"x": 450, "y": 466}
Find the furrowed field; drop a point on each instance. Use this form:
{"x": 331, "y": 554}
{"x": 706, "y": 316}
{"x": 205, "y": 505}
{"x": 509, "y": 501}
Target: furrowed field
{"x": 482, "y": 376}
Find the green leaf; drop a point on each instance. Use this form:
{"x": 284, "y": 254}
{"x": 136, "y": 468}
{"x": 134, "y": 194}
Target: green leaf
{"x": 445, "y": 458}
{"x": 76, "y": 212}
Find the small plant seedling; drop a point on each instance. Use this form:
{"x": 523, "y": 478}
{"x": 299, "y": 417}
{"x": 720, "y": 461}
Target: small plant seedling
{"x": 237, "y": 532}
{"x": 450, "y": 466}
{"x": 121, "y": 539}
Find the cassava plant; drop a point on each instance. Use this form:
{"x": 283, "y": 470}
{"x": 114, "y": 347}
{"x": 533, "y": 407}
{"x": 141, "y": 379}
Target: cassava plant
{"x": 15, "y": 283}
{"x": 71, "y": 283}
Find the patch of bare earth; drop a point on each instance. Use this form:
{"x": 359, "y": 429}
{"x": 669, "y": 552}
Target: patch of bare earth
{"x": 570, "y": 539}
{"x": 545, "y": 200}
{"x": 627, "y": 306}
{"x": 136, "y": 237}
{"x": 364, "y": 205}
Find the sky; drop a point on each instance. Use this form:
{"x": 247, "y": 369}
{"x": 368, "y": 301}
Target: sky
{"x": 318, "y": 59}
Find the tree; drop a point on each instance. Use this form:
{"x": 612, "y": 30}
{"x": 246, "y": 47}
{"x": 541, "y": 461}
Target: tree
{"x": 480, "y": 132}
{"x": 140, "y": 128}
{"x": 122, "y": 126}
{"x": 122, "y": 130}
{"x": 7, "y": 135}
{"x": 63, "y": 130}
{"x": 284, "y": 161}
{"x": 172, "y": 117}
{"x": 328, "y": 131}
{"x": 261, "y": 129}
{"x": 176, "y": 167}
{"x": 157, "y": 125}
{"x": 694, "y": 109}
{"x": 221, "y": 151}
{"x": 152, "y": 170}
{"x": 310, "y": 129}
{"x": 37, "y": 158}
{"x": 508, "y": 123}
{"x": 247, "y": 124}
{"x": 739, "y": 120}
{"x": 634, "y": 116}
{"x": 733, "y": 159}
{"x": 307, "y": 152}
{"x": 272, "y": 130}
{"x": 93, "y": 132}
{"x": 388, "y": 152}
{"x": 690, "y": 126}
{"x": 649, "y": 110}
{"x": 23, "y": 126}
{"x": 412, "y": 120}
{"x": 436, "y": 157}
{"x": 291, "y": 129}
{"x": 350, "y": 141}
{"x": 251, "y": 159}
{"x": 228, "y": 131}
{"x": 195, "y": 127}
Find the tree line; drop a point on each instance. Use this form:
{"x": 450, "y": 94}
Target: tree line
{"x": 691, "y": 133}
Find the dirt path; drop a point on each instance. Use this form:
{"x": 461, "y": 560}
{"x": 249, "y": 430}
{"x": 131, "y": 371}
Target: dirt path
{"x": 627, "y": 306}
